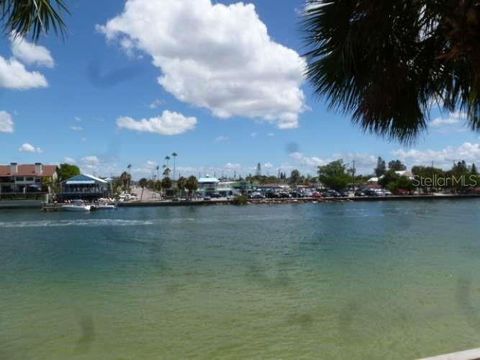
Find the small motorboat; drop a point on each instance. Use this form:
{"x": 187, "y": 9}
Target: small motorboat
{"x": 104, "y": 207}
{"x": 76, "y": 205}
{"x": 104, "y": 204}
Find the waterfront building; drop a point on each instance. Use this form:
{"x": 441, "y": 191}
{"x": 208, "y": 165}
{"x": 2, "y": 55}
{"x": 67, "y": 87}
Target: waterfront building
{"x": 26, "y": 178}
{"x": 208, "y": 185}
{"x": 85, "y": 187}
{"x": 228, "y": 188}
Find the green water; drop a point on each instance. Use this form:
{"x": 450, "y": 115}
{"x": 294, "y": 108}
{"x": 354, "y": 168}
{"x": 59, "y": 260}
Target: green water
{"x": 392, "y": 280}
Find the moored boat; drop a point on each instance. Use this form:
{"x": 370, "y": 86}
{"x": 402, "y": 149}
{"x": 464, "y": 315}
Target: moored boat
{"x": 76, "y": 205}
{"x": 104, "y": 204}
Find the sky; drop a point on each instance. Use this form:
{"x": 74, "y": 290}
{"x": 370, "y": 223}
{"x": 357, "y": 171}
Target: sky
{"x": 220, "y": 83}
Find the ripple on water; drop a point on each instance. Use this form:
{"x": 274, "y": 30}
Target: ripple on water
{"x": 81, "y": 222}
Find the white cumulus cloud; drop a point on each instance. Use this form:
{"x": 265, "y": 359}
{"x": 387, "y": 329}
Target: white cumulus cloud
{"x": 31, "y": 54}
{"x": 215, "y": 56}
{"x": 453, "y": 118}
{"x": 90, "y": 162}
{"x": 467, "y": 151}
{"x": 364, "y": 163}
{"x": 13, "y": 75}
{"x": 6, "y": 122}
{"x": 27, "y": 147}
{"x": 169, "y": 123}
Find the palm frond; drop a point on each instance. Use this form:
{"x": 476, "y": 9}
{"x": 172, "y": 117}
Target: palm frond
{"x": 384, "y": 61}
{"x": 33, "y": 17}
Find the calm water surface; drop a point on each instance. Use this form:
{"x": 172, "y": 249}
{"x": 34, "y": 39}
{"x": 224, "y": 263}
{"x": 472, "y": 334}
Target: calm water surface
{"x": 393, "y": 280}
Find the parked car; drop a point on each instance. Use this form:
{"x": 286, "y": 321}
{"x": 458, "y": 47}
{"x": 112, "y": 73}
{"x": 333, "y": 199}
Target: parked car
{"x": 256, "y": 195}
{"x": 272, "y": 195}
{"x": 332, "y": 193}
{"x": 370, "y": 192}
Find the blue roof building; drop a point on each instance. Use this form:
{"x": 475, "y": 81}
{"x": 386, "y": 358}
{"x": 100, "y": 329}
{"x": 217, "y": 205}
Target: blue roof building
{"x": 85, "y": 187}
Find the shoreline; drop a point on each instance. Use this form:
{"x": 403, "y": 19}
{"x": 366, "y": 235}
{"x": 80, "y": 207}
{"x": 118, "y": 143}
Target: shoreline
{"x": 298, "y": 200}
{"x": 29, "y": 204}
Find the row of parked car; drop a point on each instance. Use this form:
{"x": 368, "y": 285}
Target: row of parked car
{"x": 317, "y": 194}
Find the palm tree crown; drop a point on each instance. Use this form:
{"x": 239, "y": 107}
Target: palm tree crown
{"x": 35, "y": 16}
{"x": 387, "y": 62}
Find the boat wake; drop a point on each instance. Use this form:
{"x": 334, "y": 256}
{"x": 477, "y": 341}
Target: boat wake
{"x": 63, "y": 223}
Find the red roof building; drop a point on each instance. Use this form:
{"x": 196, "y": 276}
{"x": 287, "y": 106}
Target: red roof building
{"x": 22, "y": 178}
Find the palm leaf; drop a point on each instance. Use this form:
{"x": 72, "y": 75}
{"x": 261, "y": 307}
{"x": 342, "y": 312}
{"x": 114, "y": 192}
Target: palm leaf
{"x": 34, "y": 17}
{"x": 384, "y": 62}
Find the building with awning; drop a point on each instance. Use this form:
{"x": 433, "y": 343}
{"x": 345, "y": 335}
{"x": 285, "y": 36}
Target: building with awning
{"x": 85, "y": 187}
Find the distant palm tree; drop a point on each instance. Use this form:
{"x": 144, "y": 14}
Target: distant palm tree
{"x": 143, "y": 183}
{"x": 386, "y": 62}
{"x": 125, "y": 179}
{"x": 21, "y": 17}
{"x": 167, "y": 159}
{"x": 174, "y": 155}
{"x": 166, "y": 172}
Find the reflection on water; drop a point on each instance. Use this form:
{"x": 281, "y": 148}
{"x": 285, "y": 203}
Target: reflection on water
{"x": 392, "y": 280}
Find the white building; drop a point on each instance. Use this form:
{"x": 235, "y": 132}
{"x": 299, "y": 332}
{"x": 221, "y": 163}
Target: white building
{"x": 208, "y": 185}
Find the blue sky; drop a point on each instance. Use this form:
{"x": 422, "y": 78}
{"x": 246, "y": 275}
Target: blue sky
{"x": 200, "y": 81}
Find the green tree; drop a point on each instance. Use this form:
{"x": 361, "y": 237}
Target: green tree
{"x": 166, "y": 183}
{"x": 181, "y": 185}
{"x": 388, "y": 178}
{"x": 157, "y": 186}
{"x": 66, "y": 171}
{"x": 428, "y": 177}
{"x": 460, "y": 176}
{"x": 295, "y": 177}
{"x": 334, "y": 175}
{"x": 384, "y": 62}
{"x": 32, "y": 16}
{"x": 403, "y": 183}
{"x": 143, "y": 183}
{"x": 473, "y": 169}
{"x": 381, "y": 167}
{"x": 396, "y": 165}
{"x": 191, "y": 185}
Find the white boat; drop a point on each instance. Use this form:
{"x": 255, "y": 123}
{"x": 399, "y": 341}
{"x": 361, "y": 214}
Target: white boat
{"x": 76, "y": 205}
{"x": 104, "y": 204}
{"x": 104, "y": 207}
